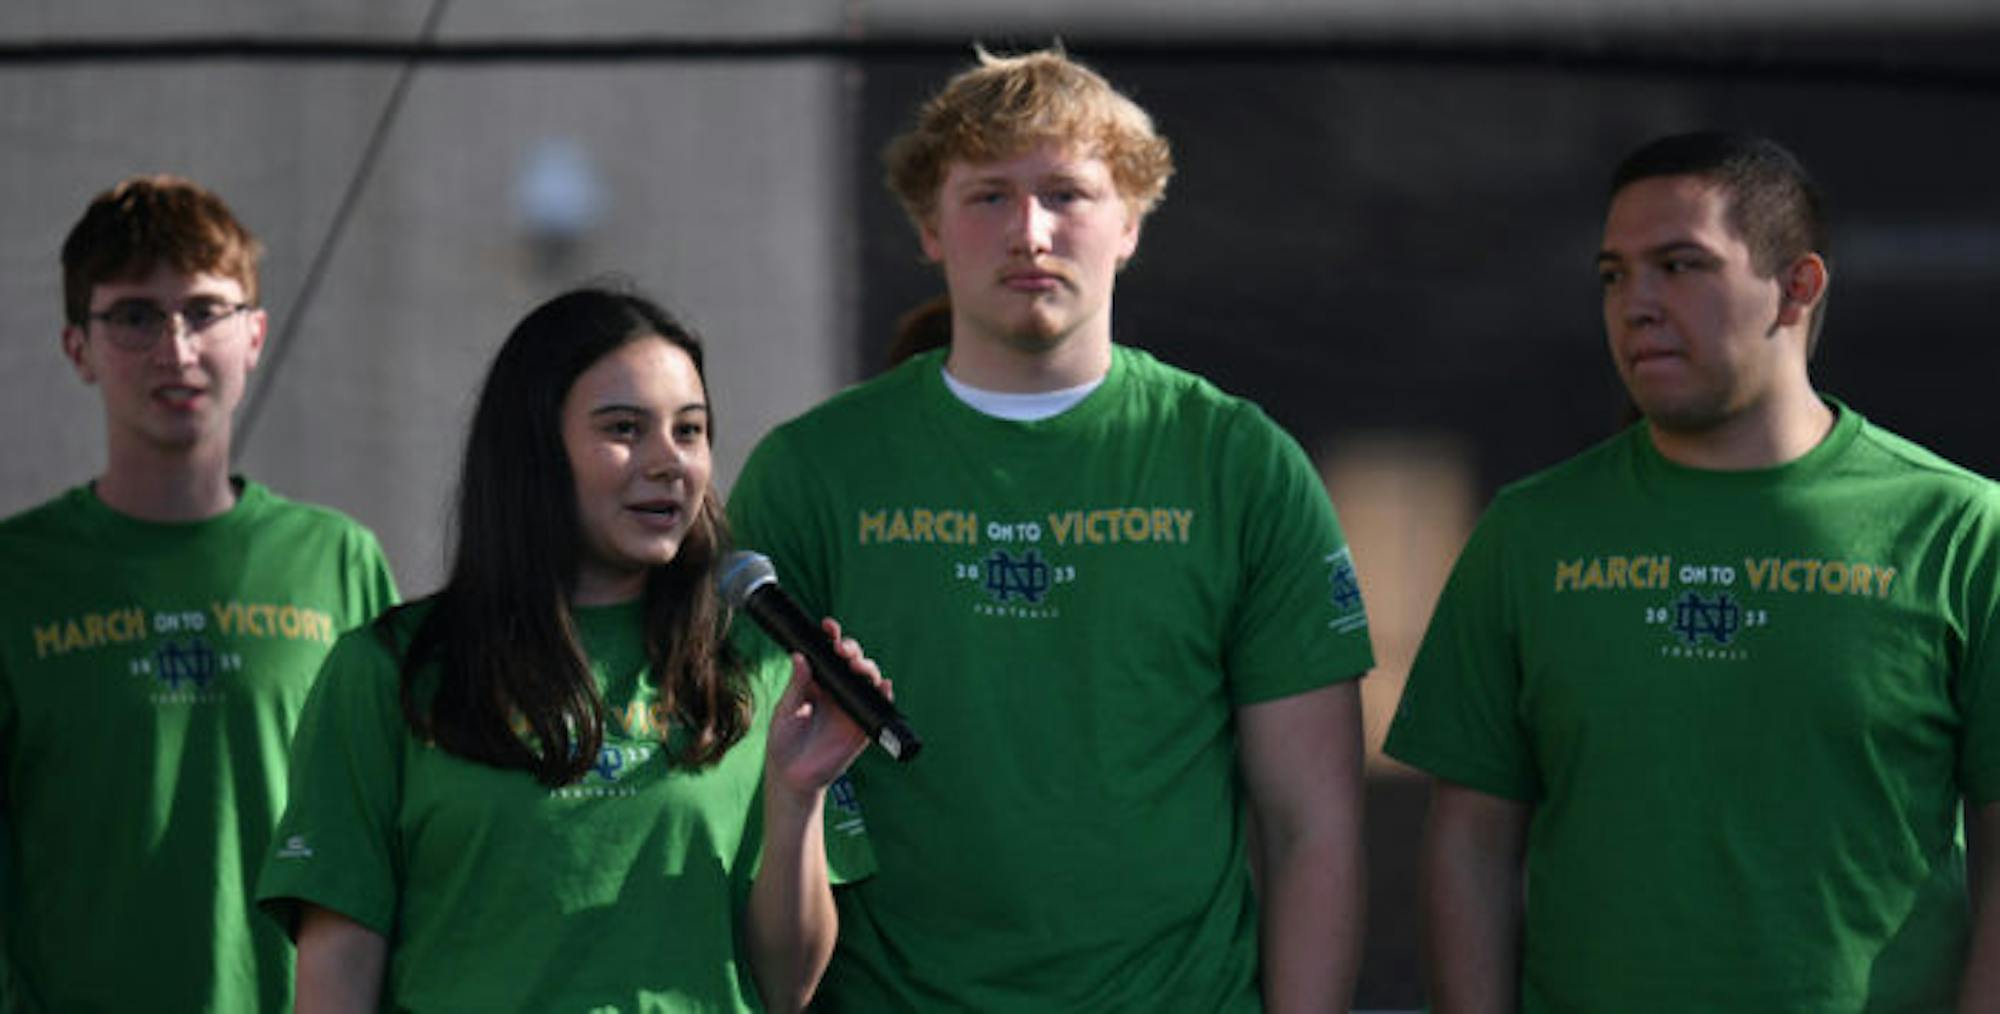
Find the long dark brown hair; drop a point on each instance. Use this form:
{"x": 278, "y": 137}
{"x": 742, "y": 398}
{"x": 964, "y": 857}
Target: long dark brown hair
{"x": 513, "y": 688}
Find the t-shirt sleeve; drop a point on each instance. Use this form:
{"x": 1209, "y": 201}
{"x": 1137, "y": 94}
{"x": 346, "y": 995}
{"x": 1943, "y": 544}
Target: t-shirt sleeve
{"x": 336, "y": 843}
{"x": 1299, "y": 623}
{"x": 774, "y": 509}
{"x": 372, "y": 582}
{"x": 849, "y": 854}
{"x": 1459, "y": 715}
{"x": 1977, "y": 682}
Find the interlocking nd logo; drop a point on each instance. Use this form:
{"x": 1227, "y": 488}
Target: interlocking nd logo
{"x": 1345, "y": 588}
{"x": 1697, "y": 617}
{"x": 1025, "y": 579}
{"x": 190, "y": 663}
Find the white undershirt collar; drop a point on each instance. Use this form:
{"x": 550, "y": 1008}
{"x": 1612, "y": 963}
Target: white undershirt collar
{"x": 1032, "y": 407}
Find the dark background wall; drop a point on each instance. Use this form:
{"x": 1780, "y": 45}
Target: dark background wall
{"x": 1407, "y": 243}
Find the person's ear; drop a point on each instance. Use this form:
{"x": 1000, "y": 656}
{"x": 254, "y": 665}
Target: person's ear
{"x": 1800, "y": 288}
{"x": 259, "y": 324}
{"x": 78, "y": 356}
{"x": 928, "y": 237}
{"x": 1129, "y": 244}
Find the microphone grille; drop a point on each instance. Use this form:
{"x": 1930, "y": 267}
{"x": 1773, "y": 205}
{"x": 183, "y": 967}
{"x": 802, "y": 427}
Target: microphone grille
{"x": 741, "y": 573}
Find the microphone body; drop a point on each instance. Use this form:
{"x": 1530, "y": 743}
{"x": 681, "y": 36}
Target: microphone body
{"x": 750, "y": 584}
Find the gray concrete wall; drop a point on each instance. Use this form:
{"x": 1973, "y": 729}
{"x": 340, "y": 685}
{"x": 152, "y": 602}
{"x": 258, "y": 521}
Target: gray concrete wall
{"x": 723, "y": 188}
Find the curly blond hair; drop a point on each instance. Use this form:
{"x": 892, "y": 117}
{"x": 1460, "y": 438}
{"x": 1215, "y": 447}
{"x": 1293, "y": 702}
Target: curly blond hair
{"x": 1007, "y": 105}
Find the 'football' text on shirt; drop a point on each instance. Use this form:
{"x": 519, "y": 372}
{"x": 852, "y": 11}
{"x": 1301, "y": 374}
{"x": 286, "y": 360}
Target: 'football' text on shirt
{"x": 230, "y": 619}
{"x": 1092, "y": 527}
{"x": 1769, "y": 573}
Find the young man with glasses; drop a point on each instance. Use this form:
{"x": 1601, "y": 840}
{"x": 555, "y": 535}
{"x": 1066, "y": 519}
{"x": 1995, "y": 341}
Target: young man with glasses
{"x": 159, "y": 628}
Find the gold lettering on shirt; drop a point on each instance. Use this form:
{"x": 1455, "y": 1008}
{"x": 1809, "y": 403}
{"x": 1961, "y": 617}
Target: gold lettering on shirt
{"x": 1801, "y": 575}
{"x": 90, "y": 630}
{"x": 269, "y": 620}
{"x": 918, "y": 525}
{"x": 1636, "y": 571}
{"x": 1114, "y": 525}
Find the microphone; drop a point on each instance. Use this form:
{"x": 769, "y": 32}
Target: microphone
{"x": 750, "y": 584}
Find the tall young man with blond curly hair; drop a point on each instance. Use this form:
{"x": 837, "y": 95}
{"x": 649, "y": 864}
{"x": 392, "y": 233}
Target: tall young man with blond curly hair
{"x": 1115, "y": 601}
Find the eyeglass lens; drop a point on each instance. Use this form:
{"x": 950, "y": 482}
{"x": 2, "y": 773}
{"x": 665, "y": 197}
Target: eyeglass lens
{"x": 138, "y": 321}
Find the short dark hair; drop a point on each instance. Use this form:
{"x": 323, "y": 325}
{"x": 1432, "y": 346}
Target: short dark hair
{"x": 499, "y": 637}
{"x": 1773, "y": 202}
{"x": 148, "y": 221}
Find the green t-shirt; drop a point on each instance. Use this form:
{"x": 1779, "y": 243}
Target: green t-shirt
{"x": 150, "y": 678}
{"x": 1744, "y": 706}
{"x": 1071, "y": 610}
{"x": 621, "y": 892}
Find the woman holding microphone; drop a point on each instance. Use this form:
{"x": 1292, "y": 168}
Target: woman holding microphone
{"x": 560, "y": 783}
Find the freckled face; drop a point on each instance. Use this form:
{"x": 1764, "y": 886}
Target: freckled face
{"x": 635, "y": 427}
{"x": 1031, "y": 245}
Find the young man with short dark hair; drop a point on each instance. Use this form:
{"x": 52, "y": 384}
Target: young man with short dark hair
{"x": 1704, "y": 701}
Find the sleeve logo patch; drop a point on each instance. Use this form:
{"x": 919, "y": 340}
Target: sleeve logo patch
{"x": 1345, "y": 592}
